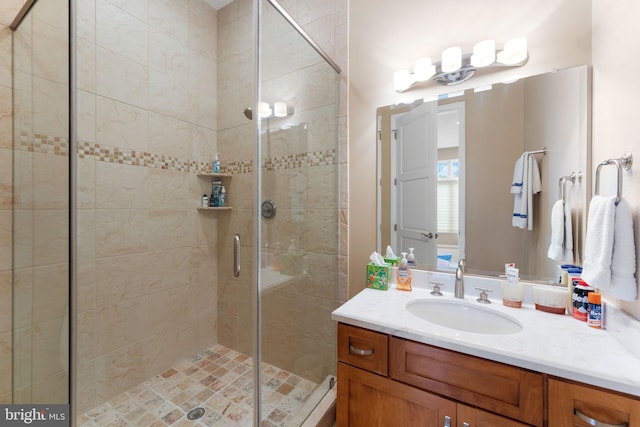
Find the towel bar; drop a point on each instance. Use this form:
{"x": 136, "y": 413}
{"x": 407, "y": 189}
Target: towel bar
{"x": 623, "y": 162}
{"x": 563, "y": 180}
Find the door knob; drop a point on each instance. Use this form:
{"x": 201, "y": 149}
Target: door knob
{"x": 428, "y": 236}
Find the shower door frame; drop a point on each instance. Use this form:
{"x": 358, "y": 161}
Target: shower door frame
{"x": 257, "y": 302}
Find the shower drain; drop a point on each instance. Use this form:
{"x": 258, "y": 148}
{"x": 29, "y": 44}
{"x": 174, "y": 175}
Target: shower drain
{"x": 195, "y": 413}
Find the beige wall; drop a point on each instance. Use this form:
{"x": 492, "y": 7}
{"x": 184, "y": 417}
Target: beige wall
{"x": 558, "y": 31}
{"x": 616, "y": 102}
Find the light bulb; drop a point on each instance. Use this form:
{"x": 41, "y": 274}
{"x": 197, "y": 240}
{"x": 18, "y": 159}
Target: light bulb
{"x": 280, "y": 109}
{"x": 423, "y": 69}
{"x": 451, "y": 59}
{"x": 514, "y": 52}
{"x": 265, "y": 110}
{"x": 402, "y": 80}
{"x": 484, "y": 53}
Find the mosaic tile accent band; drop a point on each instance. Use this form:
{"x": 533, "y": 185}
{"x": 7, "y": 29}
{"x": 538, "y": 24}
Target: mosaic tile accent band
{"x": 106, "y": 153}
{"x": 300, "y": 160}
{"x": 45, "y": 144}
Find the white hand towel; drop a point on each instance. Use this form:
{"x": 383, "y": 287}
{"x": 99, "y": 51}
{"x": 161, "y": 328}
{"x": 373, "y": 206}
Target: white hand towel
{"x": 523, "y": 202}
{"x": 623, "y": 262}
{"x": 518, "y": 174}
{"x": 568, "y": 235}
{"x": 598, "y": 250}
{"x": 556, "y": 250}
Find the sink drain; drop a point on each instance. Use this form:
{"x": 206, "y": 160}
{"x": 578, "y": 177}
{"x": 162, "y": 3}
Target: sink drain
{"x": 195, "y": 413}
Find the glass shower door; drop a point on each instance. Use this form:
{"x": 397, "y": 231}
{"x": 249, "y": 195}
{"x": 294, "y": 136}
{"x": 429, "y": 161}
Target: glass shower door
{"x": 40, "y": 261}
{"x": 298, "y": 189}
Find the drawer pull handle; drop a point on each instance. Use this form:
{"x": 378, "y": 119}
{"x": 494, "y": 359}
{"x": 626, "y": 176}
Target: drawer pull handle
{"x": 447, "y": 421}
{"x": 360, "y": 352}
{"x": 465, "y": 424}
{"x": 595, "y": 422}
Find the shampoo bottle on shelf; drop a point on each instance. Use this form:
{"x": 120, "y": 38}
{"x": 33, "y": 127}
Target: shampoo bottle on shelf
{"x": 222, "y": 199}
{"x": 216, "y": 164}
{"x": 403, "y": 279}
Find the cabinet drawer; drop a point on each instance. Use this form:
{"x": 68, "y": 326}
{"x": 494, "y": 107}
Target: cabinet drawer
{"x": 363, "y": 348}
{"x": 493, "y": 386}
{"x": 582, "y": 405}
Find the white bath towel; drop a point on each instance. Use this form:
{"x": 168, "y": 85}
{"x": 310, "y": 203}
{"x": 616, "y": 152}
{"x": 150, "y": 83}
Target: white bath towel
{"x": 561, "y": 245}
{"x": 530, "y": 185}
{"x": 556, "y": 250}
{"x": 623, "y": 261}
{"x": 598, "y": 249}
{"x": 568, "y": 234}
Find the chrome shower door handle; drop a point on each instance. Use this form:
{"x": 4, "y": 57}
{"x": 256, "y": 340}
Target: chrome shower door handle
{"x": 236, "y": 255}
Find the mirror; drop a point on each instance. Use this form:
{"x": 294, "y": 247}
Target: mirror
{"x": 476, "y": 137}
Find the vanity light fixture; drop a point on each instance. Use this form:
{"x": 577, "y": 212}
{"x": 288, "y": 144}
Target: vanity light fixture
{"x": 456, "y": 67}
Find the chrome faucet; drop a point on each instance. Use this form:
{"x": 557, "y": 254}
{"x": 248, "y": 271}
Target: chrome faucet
{"x": 459, "y": 288}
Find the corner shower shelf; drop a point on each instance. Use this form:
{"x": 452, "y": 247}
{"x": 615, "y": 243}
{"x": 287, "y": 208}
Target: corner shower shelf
{"x": 223, "y": 208}
{"x": 213, "y": 176}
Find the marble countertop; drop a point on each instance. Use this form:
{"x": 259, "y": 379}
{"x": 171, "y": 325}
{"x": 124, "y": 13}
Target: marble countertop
{"x": 549, "y": 343}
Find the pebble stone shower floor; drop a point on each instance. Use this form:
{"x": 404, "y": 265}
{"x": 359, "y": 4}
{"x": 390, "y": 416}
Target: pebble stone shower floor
{"x": 220, "y": 380}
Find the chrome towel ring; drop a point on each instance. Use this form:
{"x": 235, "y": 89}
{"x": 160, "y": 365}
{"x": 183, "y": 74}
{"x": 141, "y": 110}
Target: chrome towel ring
{"x": 626, "y": 161}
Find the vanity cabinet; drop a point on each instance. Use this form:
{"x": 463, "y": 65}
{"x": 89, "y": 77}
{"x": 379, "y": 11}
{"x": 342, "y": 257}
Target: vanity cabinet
{"x": 414, "y": 384}
{"x": 572, "y": 404}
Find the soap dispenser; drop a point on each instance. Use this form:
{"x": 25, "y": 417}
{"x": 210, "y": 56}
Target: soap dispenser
{"x": 411, "y": 258}
{"x": 403, "y": 280}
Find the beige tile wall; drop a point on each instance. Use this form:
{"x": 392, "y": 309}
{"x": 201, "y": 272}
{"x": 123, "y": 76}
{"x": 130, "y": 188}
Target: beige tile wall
{"x": 147, "y": 125}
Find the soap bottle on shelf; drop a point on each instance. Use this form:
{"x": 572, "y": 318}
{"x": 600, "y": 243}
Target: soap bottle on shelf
{"x": 403, "y": 279}
{"x": 411, "y": 258}
{"x": 216, "y": 164}
{"x": 205, "y": 201}
{"x": 221, "y": 198}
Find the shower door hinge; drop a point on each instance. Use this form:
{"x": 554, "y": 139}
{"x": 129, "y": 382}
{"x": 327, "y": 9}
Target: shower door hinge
{"x": 395, "y": 134}
{"x": 395, "y": 227}
{"x": 379, "y": 135}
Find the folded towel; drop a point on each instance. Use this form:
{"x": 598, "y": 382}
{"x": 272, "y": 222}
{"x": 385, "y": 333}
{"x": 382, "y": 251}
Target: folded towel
{"x": 523, "y": 201}
{"x": 518, "y": 174}
{"x": 561, "y": 245}
{"x": 623, "y": 262}
{"x": 556, "y": 250}
{"x": 598, "y": 249}
{"x": 568, "y": 234}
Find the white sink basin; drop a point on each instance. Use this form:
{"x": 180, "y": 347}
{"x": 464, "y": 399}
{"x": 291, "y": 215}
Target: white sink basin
{"x": 464, "y": 316}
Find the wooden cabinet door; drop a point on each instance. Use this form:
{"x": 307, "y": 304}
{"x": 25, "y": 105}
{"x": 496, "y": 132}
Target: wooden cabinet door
{"x": 581, "y": 406}
{"x": 474, "y": 417}
{"x": 369, "y": 400}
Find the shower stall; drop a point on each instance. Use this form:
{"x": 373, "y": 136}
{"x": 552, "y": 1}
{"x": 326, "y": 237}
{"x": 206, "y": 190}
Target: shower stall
{"x": 131, "y": 300}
